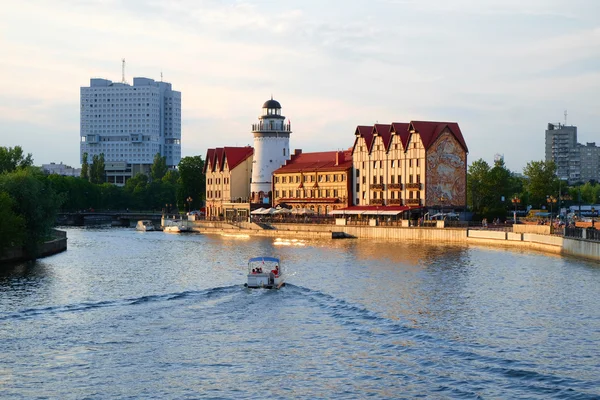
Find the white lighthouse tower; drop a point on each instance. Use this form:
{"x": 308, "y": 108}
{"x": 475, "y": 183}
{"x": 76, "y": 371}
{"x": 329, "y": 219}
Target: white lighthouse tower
{"x": 271, "y": 149}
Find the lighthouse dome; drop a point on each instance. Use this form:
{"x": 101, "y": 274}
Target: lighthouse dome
{"x": 271, "y": 104}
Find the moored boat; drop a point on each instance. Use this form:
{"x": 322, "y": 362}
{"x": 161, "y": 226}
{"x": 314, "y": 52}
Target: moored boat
{"x": 265, "y": 272}
{"x": 144, "y": 225}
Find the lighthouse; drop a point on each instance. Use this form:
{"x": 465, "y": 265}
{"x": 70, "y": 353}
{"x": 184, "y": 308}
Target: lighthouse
{"x": 271, "y": 149}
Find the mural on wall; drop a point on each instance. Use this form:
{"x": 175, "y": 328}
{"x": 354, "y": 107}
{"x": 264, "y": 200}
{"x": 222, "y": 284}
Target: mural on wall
{"x": 446, "y": 172}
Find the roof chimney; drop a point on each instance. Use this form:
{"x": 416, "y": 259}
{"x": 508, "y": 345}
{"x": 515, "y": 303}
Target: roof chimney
{"x": 339, "y": 157}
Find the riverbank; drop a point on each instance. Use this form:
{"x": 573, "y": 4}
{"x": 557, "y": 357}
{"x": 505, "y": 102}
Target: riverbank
{"x": 56, "y": 245}
{"x": 526, "y": 237}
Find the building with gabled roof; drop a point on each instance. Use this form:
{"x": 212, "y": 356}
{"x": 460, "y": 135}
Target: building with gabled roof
{"x": 414, "y": 165}
{"x": 320, "y": 181}
{"x": 228, "y": 173}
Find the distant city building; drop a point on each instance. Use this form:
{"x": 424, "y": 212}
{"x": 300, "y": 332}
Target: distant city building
{"x": 574, "y": 161}
{"x": 130, "y": 124}
{"x": 320, "y": 182}
{"x": 590, "y": 162}
{"x": 61, "y": 169}
{"x": 228, "y": 171}
{"x": 271, "y": 150}
{"x": 561, "y": 147}
{"x": 410, "y": 165}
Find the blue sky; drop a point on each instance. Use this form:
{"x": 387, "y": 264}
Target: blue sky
{"x": 501, "y": 69}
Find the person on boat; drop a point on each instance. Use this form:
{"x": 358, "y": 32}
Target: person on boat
{"x": 276, "y": 271}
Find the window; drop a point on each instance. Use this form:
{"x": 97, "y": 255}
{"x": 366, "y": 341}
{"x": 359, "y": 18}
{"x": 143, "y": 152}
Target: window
{"x": 364, "y": 180}
{"x": 417, "y": 162}
{"x": 381, "y": 179}
{"x": 392, "y": 163}
{"x": 380, "y": 164}
{"x": 392, "y": 179}
{"x": 399, "y": 178}
{"x": 374, "y": 180}
{"x": 284, "y": 152}
{"x": 277, "y": 181}
{"x": 326, "y": 178}
{"x": 363, "y": 195}
{"x": 410, "y": 163}
{"x": 374, "y": 164}
{"x": 277, "y": 193}
{"x": 363, "y": 165}
{"x": 357, "y": 188}
{"x": 410, "y": 179}
{"x": 418, "y": 178}
{"x": 357, "y": 173}
{"x": 297, "y": 178}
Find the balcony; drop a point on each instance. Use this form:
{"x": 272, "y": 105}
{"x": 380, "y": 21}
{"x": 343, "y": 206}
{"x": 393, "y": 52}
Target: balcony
{"x": 276, "y": 127}
{"x": 413, "y": 186}
{"x": 376, "y": 202}
{"x": 394, "y": 186}
{"x": 413, "y": 202}
{"x": 394, "y": 202}
{"x": 377, "y": 186}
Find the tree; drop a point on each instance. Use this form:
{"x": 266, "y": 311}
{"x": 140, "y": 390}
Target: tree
{"x": 12, "y": 226}
{"x": 477, "y": 183}
{"x": 192, "y": 181}
{"x": 85, "y": 168}
{"x": 541, "y": 181}
{"x": 12, "y": 159}
{"x": 97, "y": 169}
{"x": 35, "y": 201}
{"x": 159, "y": 167}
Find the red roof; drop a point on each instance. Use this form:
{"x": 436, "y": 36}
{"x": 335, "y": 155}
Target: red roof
{"x": 210, "y": 154}
{"x": 236, "y": 155}
{"x": 385, "y": 132}
{"x": 312, "y": 162}
{"x": 366, "y": 132}
{"x": 430, "y": 131}
{"x": 233, "y": 155}
{"x": 401, "y": 129}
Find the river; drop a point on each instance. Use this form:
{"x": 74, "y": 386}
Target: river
{"x": 127, "y": 314}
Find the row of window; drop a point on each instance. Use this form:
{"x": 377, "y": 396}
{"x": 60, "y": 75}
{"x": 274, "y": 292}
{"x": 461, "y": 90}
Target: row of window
{"x": 209, "y": 181}
{"x": 380, "y": 146}
{"x": 308, "y": 193}
{"x": 393, "y": 180}
{"x": 310, "y": 178}
{"x": 393, "y": 195}
{"x": 393, "y": 163}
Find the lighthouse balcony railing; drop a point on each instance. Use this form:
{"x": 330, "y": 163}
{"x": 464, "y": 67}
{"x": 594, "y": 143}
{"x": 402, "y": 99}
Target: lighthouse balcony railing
{"x": 271, "y": 128}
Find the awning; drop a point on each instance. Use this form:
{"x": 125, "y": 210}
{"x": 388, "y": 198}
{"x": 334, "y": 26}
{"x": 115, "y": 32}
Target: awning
{"x": 371, "y": 210}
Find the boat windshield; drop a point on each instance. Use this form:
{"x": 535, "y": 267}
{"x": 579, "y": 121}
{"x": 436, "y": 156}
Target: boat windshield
{"x": 264, "y": 264}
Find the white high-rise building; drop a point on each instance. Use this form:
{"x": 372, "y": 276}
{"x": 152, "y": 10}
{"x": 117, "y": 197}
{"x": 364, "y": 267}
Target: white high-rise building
{"x": 271, "y": 149}
{"x": 130, "y": 124}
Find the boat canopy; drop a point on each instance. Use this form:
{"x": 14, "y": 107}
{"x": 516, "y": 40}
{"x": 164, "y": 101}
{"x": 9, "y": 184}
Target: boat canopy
{"x": 259, "y": 259}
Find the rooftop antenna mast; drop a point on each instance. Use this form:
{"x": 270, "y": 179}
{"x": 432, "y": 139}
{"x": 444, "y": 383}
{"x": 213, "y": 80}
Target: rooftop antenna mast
{"x": 123, "y": 71}
{"x": 565, "y": 117}
{"x": 161, "y": 76}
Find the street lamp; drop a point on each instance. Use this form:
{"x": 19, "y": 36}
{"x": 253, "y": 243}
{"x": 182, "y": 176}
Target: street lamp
{"x": 551, "y": 200}
{"x": 515, "y": 200}
{"x": 189, "y": 201}
{"x": 442, "y": 199}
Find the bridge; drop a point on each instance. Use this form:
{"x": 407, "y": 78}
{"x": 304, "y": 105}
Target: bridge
{"x": 117, "y": 218}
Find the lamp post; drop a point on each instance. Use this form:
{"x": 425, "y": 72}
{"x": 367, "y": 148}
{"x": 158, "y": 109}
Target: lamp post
{"x": 515, "y": 200}
{"x": 442, "y": 199}
{"x": 189, "y": 201}
{"x": 551, "y": 200}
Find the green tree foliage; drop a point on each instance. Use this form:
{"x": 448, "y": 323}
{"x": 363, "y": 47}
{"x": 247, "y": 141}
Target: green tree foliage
{"x": 35, "y": 201}
{"x": 490, "y": 189}
{"x": 97, "y": 169}
{"x": 159, "y": 167}
{"x": 85, "y": 167}
{"x": 13, "y": 158}
{"x": 172, "y": 176}
{"x": 12, "y": 225}
{"x": 192, "y": 182}
{"x": 540, "y": 182}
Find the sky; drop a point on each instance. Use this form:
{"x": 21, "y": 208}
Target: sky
{"x": 502, "y": 69}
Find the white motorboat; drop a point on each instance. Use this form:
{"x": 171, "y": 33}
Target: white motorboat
{"x": 175, "y": 226}
{"x": 265, "y": 272}
{"x": 144, "y": 225}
